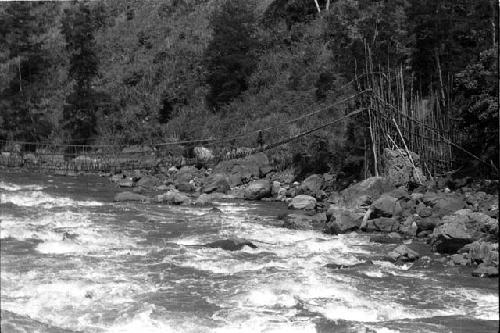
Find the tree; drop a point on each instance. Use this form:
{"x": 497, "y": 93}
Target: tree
{"x": 476, "y": 100}
{"x": 379, "y": 25}
{"x": 449, "y": 35}
{"x": 24, "y": 64}
{"x": 79, "y": 25}
{"x": 229, "y": 57}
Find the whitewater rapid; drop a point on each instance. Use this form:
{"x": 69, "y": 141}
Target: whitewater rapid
{"x": 75, "y": 261}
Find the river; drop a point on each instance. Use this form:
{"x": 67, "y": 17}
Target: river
{"x": 72, "y": 260}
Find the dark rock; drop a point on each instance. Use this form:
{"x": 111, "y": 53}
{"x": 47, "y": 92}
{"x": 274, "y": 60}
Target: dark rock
{"x": 302, "y": 202}
{"x": 403, "y": 253}
{"x": 342, "y": 221}
{"x": 424, "y": 234}
{"x": 384, "y": 224}
{"x": 231, "y": 244}
{"x": 446, "y": 205}
{"x": 423, "y": 211}
{"x": 409, "y": 226}
{"x": 358, "y": 265}
{"x": 428, "y": 223}
{"x": 148, "y": 182}
{"x": 258, "y": 189}
{"x": 235, "y": 179}
{"x": 386, "y": 206}
{"x": 384, "y": 239}
{"x": 215, "y": 210}
{"x": 129, "y": 196}
{"x": 450, "y": 237}
{"x": 365, "y": 192}
{"x": 70, "y": 236}
{"x": 216, "y": 183}
{"x": 311, "y": 185}
{"x": 485, "y": 271}
{"x": 399, "y": 169}
{"x": 185, "y": 187}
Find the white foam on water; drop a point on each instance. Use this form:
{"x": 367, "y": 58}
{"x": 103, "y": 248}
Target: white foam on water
{"x": 15, "y": 187}
{"x": 267, "y": 324}
{"x": 142, "y": 322}
{"x": 50, "y": 228}
{"x": 486, "y": 305}
{"x": 64, "y": 300}
{"x": 39, "y": 198}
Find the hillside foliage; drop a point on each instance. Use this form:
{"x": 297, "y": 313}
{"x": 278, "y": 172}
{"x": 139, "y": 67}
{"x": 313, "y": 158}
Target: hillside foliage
{"x": 139, "y": 72}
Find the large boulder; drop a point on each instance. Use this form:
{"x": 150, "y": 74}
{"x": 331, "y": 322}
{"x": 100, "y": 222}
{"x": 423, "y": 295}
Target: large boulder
{"x": 427, "y": 223}
{"x": 386, "y": 206}
{"x": 216, "y": 183}
{"x": 485, "y": 271}
{"x": 173, "y": 197}
{"x": 383, "y": 224}
{"x": 185, "y": 174}
{"x": 403, "y": 253}
{"x": 450, "y": 237}
{"x": 148, "y": 182}
{"x": 478, "y": 225}
{"x": 298, "y": 221}
{"x": 482, "y": 202}
{"x": 398, "y": 168}
{"x": 231, "y": 244}
{"x": 258, "y": 189}
{"x": 409, "y": 226}
{"x": 129, "y": 196}
{"x": 185, "y": 187}
{"x": 244, "y": 169}
{"x": 311, "y": 185}
{"x": 341, "y": 221}
{"x": 302, "y": 201}
{"x": 275, "y": 188}
{"x": 447, "y": 205}
{"x": 482, "y": 252}
{"x": 364, "y": 192}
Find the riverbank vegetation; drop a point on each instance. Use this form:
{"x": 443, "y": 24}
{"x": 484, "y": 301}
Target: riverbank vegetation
{"x": 133, "y": 72}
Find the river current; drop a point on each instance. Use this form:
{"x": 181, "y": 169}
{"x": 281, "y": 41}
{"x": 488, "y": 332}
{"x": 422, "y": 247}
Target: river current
{"x": 72, "y": 260}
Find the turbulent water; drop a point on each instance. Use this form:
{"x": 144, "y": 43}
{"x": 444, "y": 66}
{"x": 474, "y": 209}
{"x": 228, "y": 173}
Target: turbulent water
{"x": 74, "y": 261}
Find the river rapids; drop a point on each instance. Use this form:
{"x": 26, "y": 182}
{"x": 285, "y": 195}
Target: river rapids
{"x": 72, "y": 260}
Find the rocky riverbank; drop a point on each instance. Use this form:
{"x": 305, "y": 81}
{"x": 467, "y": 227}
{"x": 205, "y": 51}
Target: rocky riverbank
{"x": 456, "y": 220}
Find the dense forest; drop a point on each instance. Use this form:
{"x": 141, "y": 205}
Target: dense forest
{"x": 139, "y": 72}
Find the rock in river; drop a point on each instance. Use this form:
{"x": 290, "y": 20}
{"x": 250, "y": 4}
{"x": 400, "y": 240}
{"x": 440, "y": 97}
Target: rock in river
{"x": 302, "y": 202}
{"x": 258, "y": 189}
{"x": 231, "y": 244}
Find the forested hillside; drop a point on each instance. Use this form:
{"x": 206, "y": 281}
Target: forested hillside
{"x": 134, "y": 72}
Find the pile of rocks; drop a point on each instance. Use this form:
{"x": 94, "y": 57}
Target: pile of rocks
{"x": 461, "y": 225}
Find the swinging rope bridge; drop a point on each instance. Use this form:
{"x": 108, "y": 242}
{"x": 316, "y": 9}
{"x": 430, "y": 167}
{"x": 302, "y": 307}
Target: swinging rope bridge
{"x": 391, "y": 120}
